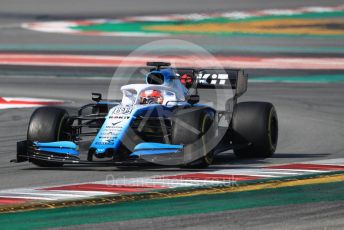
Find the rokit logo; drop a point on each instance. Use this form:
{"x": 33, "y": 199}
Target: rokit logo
{"x": 212, "y": 79}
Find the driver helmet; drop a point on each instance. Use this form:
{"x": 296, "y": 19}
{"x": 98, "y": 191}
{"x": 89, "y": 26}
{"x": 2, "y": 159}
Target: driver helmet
{"x": 151, "y": 97}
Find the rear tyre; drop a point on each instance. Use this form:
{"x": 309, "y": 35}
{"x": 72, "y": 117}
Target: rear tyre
{"x": 255, "y": 129}
{"x": 47, "y": 124}
{"x": 194, "y": 128}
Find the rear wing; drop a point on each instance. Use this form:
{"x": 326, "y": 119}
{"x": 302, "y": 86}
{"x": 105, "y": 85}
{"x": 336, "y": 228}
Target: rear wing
{"x": 234, "y": 79}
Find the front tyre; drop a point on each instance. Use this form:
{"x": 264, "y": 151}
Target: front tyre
{"x": 206, "y": 150}
{"x": 255, "y": 129}
{"x": 194, "y": 128}
{"x": 47, "y": 124}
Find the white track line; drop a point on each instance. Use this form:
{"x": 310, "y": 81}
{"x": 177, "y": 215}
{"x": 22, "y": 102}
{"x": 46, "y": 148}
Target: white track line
{"x": 52, "y": 194}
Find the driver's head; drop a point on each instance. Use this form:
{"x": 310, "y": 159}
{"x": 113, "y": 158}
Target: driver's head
{"x": 151, "y": 97}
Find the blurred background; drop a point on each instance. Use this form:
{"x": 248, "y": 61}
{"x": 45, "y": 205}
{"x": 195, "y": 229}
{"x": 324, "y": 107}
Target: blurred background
{"x": 59, "y": 52}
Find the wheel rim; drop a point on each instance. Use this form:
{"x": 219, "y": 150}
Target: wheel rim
{"x": 208, "y": 156}
{"x": 273, "y": 129}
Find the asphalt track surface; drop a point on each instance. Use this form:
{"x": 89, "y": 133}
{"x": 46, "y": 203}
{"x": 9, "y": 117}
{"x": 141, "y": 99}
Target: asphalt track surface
{"x": 310, "y": 115}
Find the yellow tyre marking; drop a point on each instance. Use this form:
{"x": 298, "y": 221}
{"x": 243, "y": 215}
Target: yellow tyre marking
{"x": 204, "y": 142}
{"x": 273, "y": 148}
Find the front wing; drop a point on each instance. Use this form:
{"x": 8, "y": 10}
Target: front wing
{"x": 145, "y": 153}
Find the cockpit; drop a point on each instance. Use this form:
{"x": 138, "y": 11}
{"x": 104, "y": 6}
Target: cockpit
{"x": 142, "y": 94}
{"x": 162, "y": 87}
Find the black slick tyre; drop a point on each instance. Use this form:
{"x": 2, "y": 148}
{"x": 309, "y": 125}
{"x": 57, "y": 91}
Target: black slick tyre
{"x": 47, "y": 125}
{"x": 194, "y": 128}
{"x": 255, "y": 129}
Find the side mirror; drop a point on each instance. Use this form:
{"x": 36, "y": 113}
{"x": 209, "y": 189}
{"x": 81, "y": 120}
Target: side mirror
{"x": 241, "y": 85}
{"x": 193, "y": 99}
{"x": 97, "y": 97}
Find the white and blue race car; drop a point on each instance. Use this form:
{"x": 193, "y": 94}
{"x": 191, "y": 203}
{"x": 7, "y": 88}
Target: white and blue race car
{"x": 160, "y": 122}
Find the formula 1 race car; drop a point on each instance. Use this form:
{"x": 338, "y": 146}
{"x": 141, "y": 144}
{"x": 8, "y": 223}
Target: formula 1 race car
{"x": 160, "y": 122}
